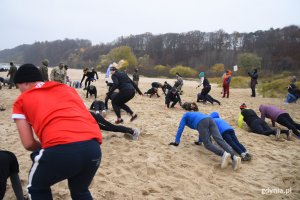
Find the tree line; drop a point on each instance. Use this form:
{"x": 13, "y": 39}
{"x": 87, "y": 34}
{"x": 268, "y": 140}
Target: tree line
{"x": 277, "y": 50}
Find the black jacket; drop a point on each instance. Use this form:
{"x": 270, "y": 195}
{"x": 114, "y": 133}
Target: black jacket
{"x": 121, "y": 81}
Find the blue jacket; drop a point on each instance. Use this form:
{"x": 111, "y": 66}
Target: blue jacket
{"x": 190, "y": 119}
{"x": 221, "y": 123}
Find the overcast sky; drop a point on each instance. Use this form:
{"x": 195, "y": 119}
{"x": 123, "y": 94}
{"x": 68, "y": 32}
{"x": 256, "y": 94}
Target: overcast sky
{"x": 28, "y": 21}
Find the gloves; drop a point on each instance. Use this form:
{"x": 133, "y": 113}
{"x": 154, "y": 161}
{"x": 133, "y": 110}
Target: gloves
{"x": 174, "y": 144}
{"x": 198, "y": 143}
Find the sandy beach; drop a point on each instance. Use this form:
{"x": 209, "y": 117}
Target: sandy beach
{"x": 151, "y": 169}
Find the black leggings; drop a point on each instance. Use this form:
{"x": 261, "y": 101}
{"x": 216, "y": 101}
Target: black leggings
{"x": 119, "y": 101}
{"x": 205, "y": 90}
{"x": 174, "y": 101}
{"x": 259, "y": 126}
{"x": 107, "y": 126}
{"x": 286, "y": 121}
{"x": 211, "y": 100}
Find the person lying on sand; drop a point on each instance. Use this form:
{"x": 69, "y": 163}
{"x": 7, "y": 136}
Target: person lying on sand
{"x": 257, "y": 125}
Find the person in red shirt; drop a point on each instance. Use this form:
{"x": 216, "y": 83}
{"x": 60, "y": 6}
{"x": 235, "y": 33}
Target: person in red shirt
{"x": 226, "y": 83}
{"x": 68, "y": 136}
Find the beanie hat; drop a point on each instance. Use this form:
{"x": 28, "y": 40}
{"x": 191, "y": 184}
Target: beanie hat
{"x": 201, "y": 74}
{"x": 45, "y": 62}
{"x": 243, "y": 106}
{"x": 28, "y": 73}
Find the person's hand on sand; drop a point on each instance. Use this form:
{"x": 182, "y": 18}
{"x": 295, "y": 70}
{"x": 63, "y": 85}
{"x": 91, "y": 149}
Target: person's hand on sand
{"x": 174, "y": 144}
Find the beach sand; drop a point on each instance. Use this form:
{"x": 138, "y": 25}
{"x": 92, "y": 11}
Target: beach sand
{"x": 151, "y": 169}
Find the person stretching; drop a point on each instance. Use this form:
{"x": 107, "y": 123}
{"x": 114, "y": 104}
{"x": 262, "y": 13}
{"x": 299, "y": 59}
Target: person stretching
{"x": 207, "y": 128}
{"x": 229, "y": 136}
{"x": 281, "y": 117}
{"x": 256, "y": 124}
{"x": 107, "y": 126}
{"x": 172, "y": 96}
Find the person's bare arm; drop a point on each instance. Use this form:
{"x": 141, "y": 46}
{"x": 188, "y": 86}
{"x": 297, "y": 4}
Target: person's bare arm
{"x": 26, "y": 135}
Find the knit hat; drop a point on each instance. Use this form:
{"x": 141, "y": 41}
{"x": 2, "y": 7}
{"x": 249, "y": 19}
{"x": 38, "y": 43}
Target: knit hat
{"x": 243, "y": 106}
{"x": 201, "y": 74}
{"x": 28, "y": 73}
{"x": 45, "y": 62}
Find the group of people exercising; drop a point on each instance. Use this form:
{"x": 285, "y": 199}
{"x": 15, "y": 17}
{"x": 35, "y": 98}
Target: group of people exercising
{"x": 66, "y": 145}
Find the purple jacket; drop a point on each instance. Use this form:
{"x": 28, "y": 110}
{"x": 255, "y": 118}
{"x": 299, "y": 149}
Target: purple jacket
{"x": 271, "y": 112}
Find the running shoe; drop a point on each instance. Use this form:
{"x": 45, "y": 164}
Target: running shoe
{"x": 133, "y": 117}
{"x": 236, "y": 162}
{"x": 225, "y": 160}
{"x": 289, "y": 135}
{"x": 277, "y": 134}
{"x": 136, "y": 134}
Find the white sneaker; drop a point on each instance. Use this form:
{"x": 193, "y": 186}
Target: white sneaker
{"x": 103, "y": 113}
{"x": 277, "y": 134}
{"x": 236, "y": 162}
{"x": 136, "y": 134}
{"x": 225, "y": 160}
{"x": 289, "y": 135}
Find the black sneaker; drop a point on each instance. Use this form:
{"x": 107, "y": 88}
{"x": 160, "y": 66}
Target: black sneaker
{"x": 133, "y": 117}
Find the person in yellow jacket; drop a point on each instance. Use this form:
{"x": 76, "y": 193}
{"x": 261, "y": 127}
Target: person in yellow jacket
{"x": 241, "y": 117}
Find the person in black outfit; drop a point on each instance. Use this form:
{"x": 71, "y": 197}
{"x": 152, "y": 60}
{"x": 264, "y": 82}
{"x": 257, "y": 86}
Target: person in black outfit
{"x": 157, "y": 85}
{"x": 98, "y": 107}
{"x": 90, "y": 77}
{"x": 111, "y": 97}
{"x": 94, "y": 72}
{"x": 91, "y": 90}
{"x": 152, "y": 91}
{"x": 166, "y": 87}
{"x": 259, "y": 126}
{"x": 127, "y": 90}
{"x": 206, "y": 88}
{"x": 9, "y": 168}
{"x": 107, "y": 126}
{"x": 254, "y": 77}
{"x": 207, "y": 97}
{"x": 172, "y": 96}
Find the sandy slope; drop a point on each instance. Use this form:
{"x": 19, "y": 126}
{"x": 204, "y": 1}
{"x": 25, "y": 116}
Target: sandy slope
{"x": 150, "y": 169}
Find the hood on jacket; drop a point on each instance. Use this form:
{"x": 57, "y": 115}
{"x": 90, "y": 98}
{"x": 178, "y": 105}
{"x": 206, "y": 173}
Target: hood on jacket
{"x": 262, "y": 108}
{"x": 214, "y": 115}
